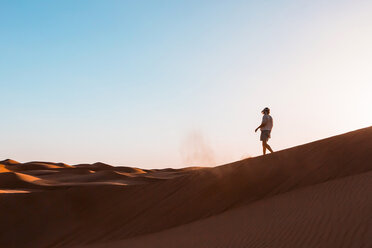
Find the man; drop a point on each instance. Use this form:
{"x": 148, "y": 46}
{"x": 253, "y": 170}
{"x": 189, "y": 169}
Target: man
{"x": 266, "y": 126}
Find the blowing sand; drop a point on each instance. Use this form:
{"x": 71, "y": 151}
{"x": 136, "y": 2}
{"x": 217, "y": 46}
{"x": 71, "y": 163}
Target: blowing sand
{"x": 314, "y": 195}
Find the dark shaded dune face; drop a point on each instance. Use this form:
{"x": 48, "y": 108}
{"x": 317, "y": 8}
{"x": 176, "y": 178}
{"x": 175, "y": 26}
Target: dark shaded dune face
{"x": 16, "y": 166}
{"x": 60, "y": 165}
{"x": 167, "y": 170}
{"x": 95, "y": 166}
{"x": 118, "y": 177}
{"x": 102, "y": 166}
{"x": 13, "y": 180}
{"x": 329, "y": 214}
{"x": 38, "y": 172}
{"x": 74, "y": 171}
{"x": 178, "y": 170}
{"x": 61, "y": 176}
{"x": 129, "y": 170}
{"x": 149, "y": 201}
{"x": 37, "y": 166}
{"x": 102, "y": 176}
{"x": 191, "y": 168}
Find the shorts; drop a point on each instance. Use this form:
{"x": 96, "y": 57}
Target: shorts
{"x": 265, "y": 135}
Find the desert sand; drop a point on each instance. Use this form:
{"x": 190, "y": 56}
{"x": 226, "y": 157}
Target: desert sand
{"x": 313, "y": 195}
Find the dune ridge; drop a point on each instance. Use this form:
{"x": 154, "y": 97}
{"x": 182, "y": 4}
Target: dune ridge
{"x": 93, "y": 205}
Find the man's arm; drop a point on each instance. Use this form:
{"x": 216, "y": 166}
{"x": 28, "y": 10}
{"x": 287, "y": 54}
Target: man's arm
{"x": 262, "y": 125}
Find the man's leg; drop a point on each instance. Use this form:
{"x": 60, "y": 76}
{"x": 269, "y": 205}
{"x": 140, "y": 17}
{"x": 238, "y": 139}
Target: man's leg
{"x": 268, "y": 147}
{"x": 264, "y": 147}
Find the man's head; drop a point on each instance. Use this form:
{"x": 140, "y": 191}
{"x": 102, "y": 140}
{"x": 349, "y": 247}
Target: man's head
{"x": 265, "y": 111}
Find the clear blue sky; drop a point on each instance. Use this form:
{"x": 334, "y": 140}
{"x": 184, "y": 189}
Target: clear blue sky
{"x": 176, "y": 83}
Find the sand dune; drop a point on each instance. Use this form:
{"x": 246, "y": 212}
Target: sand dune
{"x": 3, "y": 168}
{"x": 325, "y": 215}
{"x": 13, "y": 180}
{"x": 314, "y": 195}
{"x": 37, "y": 166}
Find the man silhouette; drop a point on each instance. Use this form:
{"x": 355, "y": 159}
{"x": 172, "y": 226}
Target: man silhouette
{"x": 266, "y": 126}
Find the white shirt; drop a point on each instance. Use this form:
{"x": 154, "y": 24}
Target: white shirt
{"x": 268, "y": 120}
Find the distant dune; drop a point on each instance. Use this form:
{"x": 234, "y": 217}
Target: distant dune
{"x": 313, "y": 195}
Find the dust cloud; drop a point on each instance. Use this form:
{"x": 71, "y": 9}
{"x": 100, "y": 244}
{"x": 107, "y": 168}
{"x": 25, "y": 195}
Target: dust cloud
{"x": 196, "y": 151}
